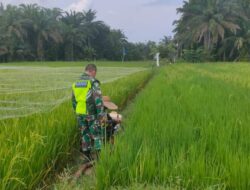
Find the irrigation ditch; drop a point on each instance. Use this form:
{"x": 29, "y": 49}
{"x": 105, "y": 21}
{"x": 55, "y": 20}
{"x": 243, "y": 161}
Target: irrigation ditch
{"x": 63, "y": 177}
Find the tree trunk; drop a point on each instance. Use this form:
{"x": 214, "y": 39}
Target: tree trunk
{"x": 40, "y": 53}
{"x": 209, "y": 40}
{"x": 72, "y": 49}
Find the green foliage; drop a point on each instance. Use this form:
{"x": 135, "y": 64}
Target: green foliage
{"x": 125, "y": 88}
{"x": 189, "y": 129}
{"x": 220, "y": 27}
{"x": 89, "y": 53}
{"x": 31, "y": 32}
{"x": 168, "y": 49}
{"x": 196, "y": 55}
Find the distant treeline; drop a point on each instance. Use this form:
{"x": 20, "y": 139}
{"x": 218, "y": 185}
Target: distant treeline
{"x": 30, "y": 32}
{"x": 213, "y": 30}
{"x": 208, "y": 30}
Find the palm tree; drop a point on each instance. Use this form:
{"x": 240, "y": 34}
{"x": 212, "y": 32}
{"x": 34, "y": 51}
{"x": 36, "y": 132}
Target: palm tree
{"x": 73, "y": 35}
{"x": 43, "y": 26}
{"x": 206, "y": 21}
{"x": 12, "y": 30}
{"x": 92, "y": 28}
{"x": 80, "y": 30}
{"x": 31, "y": 32}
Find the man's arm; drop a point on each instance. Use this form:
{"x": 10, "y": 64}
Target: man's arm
{"x": 73, "y": 101}
{"x": 97, "y": 94}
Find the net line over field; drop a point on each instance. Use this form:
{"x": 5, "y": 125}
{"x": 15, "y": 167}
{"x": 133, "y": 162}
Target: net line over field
{"x": 28, "y": 90}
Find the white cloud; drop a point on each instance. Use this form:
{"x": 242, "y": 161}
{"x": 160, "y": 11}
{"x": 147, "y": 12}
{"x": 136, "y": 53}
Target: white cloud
{"x": 80, "y": 5}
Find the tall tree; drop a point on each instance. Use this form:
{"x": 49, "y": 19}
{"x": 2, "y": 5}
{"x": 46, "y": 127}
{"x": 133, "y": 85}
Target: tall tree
{"x": 43, "y": 26}
{"x": 31, "y": 32}
{"x": 208, "y": 22}
{"x": 12, "y": 30}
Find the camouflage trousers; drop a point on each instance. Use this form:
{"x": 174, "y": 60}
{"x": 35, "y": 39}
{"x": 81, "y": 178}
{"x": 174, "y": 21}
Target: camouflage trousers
{"x": 91, "y": 134}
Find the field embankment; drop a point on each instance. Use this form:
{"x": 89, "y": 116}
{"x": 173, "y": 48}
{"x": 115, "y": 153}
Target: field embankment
{"x": 33, "y": 146}
{"x": 189, "y": 129}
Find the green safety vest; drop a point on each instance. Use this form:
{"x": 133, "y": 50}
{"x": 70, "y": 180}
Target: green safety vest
{"x": 80, "y": 90}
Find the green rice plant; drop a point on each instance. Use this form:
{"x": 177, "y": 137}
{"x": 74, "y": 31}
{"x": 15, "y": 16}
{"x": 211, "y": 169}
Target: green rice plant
{"x": 122, "y": 90}
{"x": 186, "y": 130}
{"x": 237, "y": 74}
{"x": 33, "y": 146}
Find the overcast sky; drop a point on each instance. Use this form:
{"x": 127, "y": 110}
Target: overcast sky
{"x": 140, "y": 20}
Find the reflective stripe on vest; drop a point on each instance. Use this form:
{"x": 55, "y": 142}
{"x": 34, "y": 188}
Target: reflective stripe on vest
{"x": 80, "y": 90}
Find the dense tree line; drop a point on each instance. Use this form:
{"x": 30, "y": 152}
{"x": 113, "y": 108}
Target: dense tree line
{"x": 208, "y": 30}
{"x": 31, "y": 32}
{"x": 215, "y": 30}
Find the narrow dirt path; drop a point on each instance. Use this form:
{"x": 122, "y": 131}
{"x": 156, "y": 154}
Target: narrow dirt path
{"x": 82, "y": 176}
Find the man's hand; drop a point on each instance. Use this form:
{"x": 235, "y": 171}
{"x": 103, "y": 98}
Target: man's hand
{"x": 102, "y": 120}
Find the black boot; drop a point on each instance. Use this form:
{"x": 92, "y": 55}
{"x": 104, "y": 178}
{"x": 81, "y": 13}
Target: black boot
{"x": 95, "y": 155}
{"x": 87, "y": 155}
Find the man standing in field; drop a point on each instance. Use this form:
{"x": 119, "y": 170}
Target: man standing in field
{"x": 88, "y": 105}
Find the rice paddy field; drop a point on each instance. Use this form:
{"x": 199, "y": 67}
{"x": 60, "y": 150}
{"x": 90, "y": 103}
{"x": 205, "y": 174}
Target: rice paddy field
{"x": 27, "y": 90}
{"x": 37, "y": 125}
{"x": 188, "y": 128}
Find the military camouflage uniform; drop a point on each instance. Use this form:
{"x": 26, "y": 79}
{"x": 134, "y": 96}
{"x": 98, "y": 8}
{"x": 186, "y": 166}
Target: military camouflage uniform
{"x": 91, "y": 134}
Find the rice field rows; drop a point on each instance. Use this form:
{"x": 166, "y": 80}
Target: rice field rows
{"x": 189, "y": 129}
{"x": 33, "y": 146}
{"x": 231, "y": 73}
{"x": 28, "y": 90}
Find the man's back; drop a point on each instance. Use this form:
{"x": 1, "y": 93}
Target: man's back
{"x": 87, "y": 89}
